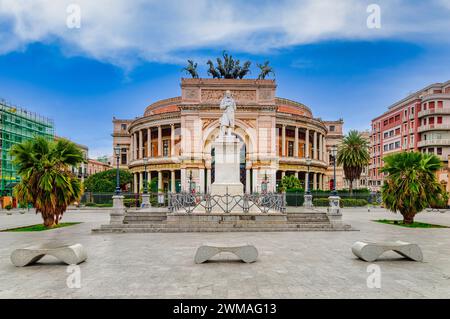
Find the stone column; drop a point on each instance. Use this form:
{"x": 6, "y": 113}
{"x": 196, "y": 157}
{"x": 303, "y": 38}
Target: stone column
{"x": 160, "y": 182}
{"x": 172, "y": 181}
{"x": 247, "y": 181}
{"x": 208, "y": 180}
{"x": 130, "y": 150}
{"x": 141, "y": 144}
{"x": 141, "y": 181}
{"x": 255, "y": 181}
{"x": 315, "y": 145}
{"x": 283, "y": 174}
{"x": 296, "y": 142}
{"x": 320, "y": 181}
{"x": 283, "y": 141}
{"x": 172, "y": 139}
{"x": 160, "y": 152}
{"x": 314, "y": 181}
{"x": 307, "y": 144}
{"x": 201, "y": 176}
{"x": 135, "y": 146}
{"x": 184, "y": 187}
{"x": 149, "y": 142}
{"x": 135, "y": 184}
{"x": 324, "y": 153}
{"x": 320, "y": 148}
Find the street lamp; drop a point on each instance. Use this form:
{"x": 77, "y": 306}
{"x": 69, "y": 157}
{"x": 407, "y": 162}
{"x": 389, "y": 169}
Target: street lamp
{"x": 308, "y": 163}
{"x": 190, "y": 181}
{"x": 145, "y": 160}
{"x": 334, "y": 154}
{"x": 117, "y": 153}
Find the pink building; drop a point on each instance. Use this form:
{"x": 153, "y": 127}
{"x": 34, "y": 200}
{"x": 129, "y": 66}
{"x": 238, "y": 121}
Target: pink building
{"x": 419, "y": 122}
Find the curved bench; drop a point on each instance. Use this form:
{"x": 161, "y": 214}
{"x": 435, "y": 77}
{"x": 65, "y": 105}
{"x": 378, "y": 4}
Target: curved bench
{"x": 247, "y": 253}
{"x": 69, "y": 254}
{"x": 369, "y": 251}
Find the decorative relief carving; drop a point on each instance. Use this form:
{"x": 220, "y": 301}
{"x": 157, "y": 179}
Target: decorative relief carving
{"x": 191, "y": 94}
{"x": 265, "y": 95}
{"x": 241, "y": 96}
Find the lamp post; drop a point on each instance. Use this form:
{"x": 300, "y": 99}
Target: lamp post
{"x": 334, "y": 154}
{"x": 334, "y": 211}
{"x": 190, "y": 181}
{"x": 118, "y": 212}
{"x": 117, "y": 153}
{"x": 145, "y": 195}
{"x": 145, "y": 160}
{"x": 308, "y": 163}
{"x": 308, "y": 197}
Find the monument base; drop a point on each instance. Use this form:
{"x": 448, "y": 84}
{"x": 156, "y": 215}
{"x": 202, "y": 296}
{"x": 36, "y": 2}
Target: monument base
{"x": 230, "y": 189}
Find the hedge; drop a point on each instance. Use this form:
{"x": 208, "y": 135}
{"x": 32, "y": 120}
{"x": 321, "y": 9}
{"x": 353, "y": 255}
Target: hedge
{"x": 344, "y": 202}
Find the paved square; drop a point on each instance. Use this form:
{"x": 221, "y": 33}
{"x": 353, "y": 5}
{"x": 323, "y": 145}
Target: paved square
{"x": 290, "y": 264}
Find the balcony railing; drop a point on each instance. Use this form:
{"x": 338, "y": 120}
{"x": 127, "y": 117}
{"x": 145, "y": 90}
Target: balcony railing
{"x": 445, "y": 110}
{"x": 432, "y": 127}
{"x": 444, "y": 141}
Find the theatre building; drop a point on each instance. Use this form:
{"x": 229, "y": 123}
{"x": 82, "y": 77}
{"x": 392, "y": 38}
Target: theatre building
{"x": 172, "y": 140}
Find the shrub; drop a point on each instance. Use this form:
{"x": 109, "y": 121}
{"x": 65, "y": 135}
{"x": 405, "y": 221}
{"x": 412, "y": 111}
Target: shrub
{"x": 132, "y": 202}
{"x": 344, "y": 202}
{"x": 90, "y": 205}
{"x": 8, "y": 207}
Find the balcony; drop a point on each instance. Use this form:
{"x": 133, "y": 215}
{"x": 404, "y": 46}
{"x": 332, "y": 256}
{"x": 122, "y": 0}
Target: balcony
{"x": 433, "y": 127}
{"x": 445, "y": 110}
{"x": 439, "y": 142}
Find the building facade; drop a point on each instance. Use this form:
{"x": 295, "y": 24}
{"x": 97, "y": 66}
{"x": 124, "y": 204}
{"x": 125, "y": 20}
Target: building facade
{"x": 16, "y": 126}
{"x": 175, "y": 136}
{"x": 95, "y": 166}
{"x": 419, "y": 122}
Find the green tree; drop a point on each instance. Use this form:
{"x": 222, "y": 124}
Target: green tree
{"x": 411, "y": 184}
{"x": 46, "y": 178}
{"x": 353, "y": 155}
{"x": 105, "y": 182}
{"x": 290, "y": 182}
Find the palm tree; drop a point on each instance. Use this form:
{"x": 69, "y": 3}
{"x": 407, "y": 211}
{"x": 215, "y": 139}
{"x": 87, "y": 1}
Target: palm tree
{"x": 353, "y": 155}
{"x": 411, "y": 184}
{"x": 46, "y": 179}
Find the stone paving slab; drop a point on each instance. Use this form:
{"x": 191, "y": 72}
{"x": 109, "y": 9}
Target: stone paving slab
{"x": 290, "y": 264}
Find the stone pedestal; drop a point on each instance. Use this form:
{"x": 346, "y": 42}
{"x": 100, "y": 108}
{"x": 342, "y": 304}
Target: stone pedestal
{"x": 308, "y": 204}
{"x": 145, "y": 201}
{"x": 227, "y": 167}
{"x": 334, "y": 211}
{"x": 118, "y": 211}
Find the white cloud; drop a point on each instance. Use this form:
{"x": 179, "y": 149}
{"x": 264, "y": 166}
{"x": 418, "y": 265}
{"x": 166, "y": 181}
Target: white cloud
{"x": 123, "y": 32}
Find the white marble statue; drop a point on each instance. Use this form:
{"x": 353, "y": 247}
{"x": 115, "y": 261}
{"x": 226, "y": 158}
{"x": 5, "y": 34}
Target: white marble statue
{"x": 227, "y": 120}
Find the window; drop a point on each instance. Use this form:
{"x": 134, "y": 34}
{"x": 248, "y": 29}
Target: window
{"x": 439, "y": 151}
{"x": 391, "y": 133}
{"x": 431, "y": 105}
{"x": 397, "y": 131}
{"x": 391, "y": 120}
{"x": 386, "y": 134}
{"x": 397, "y": 117}
{"x": 332, "y": 128}
{"x": 397, "y": 144}
{"x": 123, "y": 127}
{"x": 391, "y": 146}
{"x": 385, "y": 147}
{"x": 123, "y": 159}
{"x": 430, "y": 150}
{"x": 290, "y": 148}
{"x": 439, "y": 120}
{"x": 439, "y": 105}
{"x": 385, "y": 122}
{"x": 166, "y": 148}
{"x": 431, "y": 120}
{"x": 412, "y": 110}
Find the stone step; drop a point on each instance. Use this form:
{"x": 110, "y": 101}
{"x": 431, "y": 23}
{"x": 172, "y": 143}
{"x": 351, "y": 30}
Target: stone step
{"x": 214, "y": 226}
{"x": 192, "y": 229}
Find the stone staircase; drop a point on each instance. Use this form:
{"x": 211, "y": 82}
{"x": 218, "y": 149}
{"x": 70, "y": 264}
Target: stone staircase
{"x": 158, "y": 222}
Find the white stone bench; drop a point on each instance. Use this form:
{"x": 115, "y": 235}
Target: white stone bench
{"x": 368, "y": 251}
{"x": 69, "y": 254}
{"x": 247, "y": 253}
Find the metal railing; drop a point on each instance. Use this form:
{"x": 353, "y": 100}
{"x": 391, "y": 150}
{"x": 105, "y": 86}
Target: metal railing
{"x": 204, "y": 202}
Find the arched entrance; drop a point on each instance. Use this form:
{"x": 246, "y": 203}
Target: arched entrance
{"x": 243, "y": 155}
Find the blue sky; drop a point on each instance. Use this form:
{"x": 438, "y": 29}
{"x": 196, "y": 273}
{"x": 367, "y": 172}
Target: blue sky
{"x": 126, "y": 56}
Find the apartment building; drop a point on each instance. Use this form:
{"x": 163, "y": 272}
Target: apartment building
{"x": 419, "y": 122}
